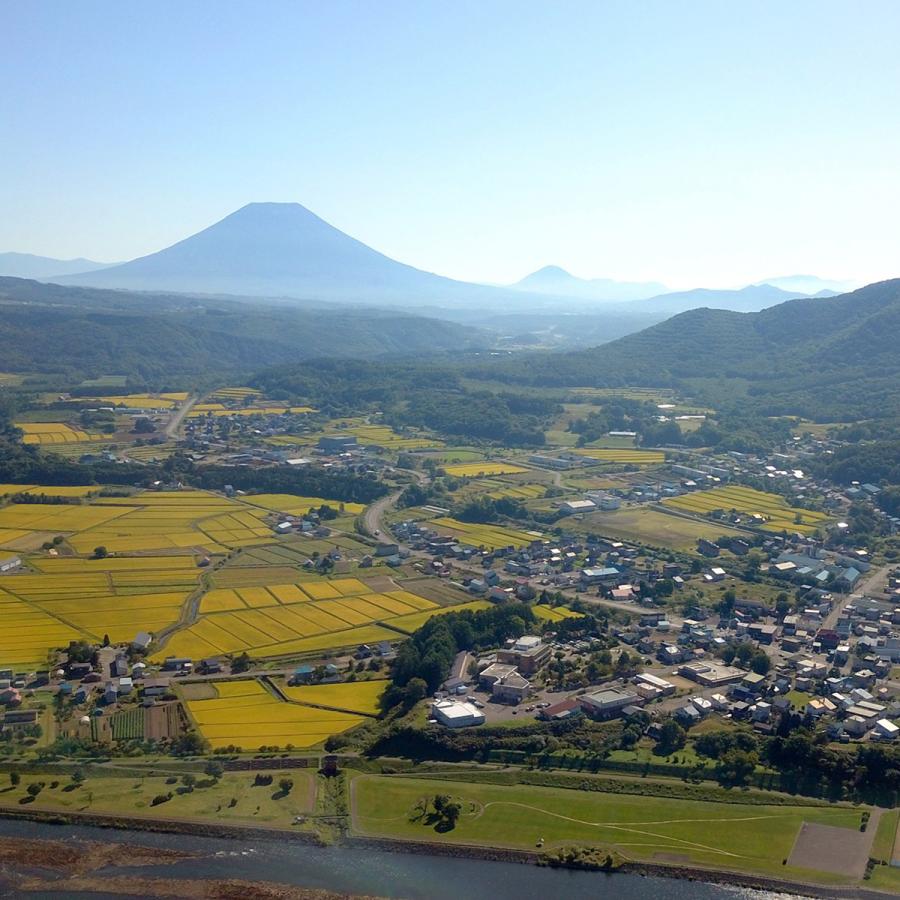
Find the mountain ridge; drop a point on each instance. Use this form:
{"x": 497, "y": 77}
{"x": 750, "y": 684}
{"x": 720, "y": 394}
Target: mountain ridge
{"x": 30, "y": 265}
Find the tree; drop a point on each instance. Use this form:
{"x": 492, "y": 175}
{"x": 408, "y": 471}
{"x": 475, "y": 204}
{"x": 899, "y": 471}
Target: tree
{"x": 416, "y": 690}
{"x": 214, "y": 769}
{"x": 14, "y": 778}
{"x": 672, "y": 737}
{"x": 286, "y": 785}
{"x": 189, "y": 780}
{"x": 452, "y": 812}
{"x": 100, "y": 552}
{"x": 105, "y": 640}
{"x": 760, "y": 663}
{"x": 439, "y": 802}
{"x": 143, "y": 425}
{"x": 241, "y": 663}
{"x": 35, "y": 788}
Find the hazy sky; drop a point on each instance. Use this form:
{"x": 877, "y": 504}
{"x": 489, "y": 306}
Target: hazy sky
{"x": 695, "y": 143}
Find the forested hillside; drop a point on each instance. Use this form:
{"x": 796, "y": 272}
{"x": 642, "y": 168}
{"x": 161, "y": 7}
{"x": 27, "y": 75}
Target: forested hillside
{"x": 47, "y": 328}
{"x": 830, "y": 359}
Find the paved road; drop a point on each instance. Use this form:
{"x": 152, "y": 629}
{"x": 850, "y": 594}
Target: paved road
{"x": 873, "y": 583}
{"x": 373, "y": 517}
{"x": 178, "y": 418}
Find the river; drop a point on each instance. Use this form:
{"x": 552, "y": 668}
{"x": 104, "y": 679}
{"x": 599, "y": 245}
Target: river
{"x": 383, "y": 874}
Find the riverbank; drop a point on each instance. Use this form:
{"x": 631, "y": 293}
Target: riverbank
{"x": 390, "y": 845}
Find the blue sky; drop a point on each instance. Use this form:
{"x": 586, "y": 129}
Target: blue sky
{"x": 689, "y": 142}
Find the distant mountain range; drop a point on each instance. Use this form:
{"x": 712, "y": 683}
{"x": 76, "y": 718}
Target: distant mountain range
{"x": 27, "y": 265}
{"x": 811, "y": 284}
{"x": 284, "y": 250}
{"x": 830, "y": 356}
{"x": 555, "y": 280}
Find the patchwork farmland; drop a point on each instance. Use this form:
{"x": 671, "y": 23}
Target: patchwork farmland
{"x": 293, "y": 618}
{"x": 769, "y": 511}
{"x": 47, "y": 433}
{"x": 245, "y": 708}
{"x": 490, "y": 536}
{"x": 623, "y": 456}
{"x": 481, "y": 469}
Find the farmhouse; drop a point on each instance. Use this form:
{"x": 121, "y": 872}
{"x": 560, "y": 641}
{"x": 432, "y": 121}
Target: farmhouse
{"x": 9, "y": 563}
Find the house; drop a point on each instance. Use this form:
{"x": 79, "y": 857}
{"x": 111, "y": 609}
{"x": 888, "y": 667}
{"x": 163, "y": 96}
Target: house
{"x": 687, "y": 715}
{"x": 110, "y": 694}
{"x": 707, "y": 548}
{"x": 177, "y": 664}
{"x": 570, "y": 507}
{"x": 10, "y": 563}
{"x": 118, "y": 667}
{"x": 562, "y": 710}
{"x": 885, "y": 730}
{"x": 762, "y": 633}
{"x": 210, "y": 666}
{"x": 142, "y": 640}
{"x": 126, "y": 685}
{"x": 604, "y": 575}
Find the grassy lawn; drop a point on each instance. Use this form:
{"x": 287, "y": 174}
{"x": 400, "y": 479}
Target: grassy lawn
{"x": 885, "y": 878}
{"x": 261, "y": 804}
{"x": 883, "y": 845}
{"x": 720, "y": 835}
{"x": 649, "y": 526}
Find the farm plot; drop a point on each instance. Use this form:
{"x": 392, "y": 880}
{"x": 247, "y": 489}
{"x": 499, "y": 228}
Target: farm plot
{"x": 490, "y": 536}
{"x": 280, "y": 619}
{"x": 413, "y": 621}
{"x": 481, "y": 469}
{"x": 45, "y": 433}
{"x": 768, "y": 511}
{"x": 383, "y": 436}
{"x": 359, "y": 697}
{"x": 293, "y": 505}
{"x": 246, "y": 715}
{"x": 553, "y": 613}
{"x": 141, "y": 401}
{"x": 164, "y": 521}
{"x": 28, "y": 633}
{"x": 623, "y": 456}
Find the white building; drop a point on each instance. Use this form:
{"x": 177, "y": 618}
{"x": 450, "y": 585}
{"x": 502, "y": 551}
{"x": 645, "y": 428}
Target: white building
{"x": 457, "y": 714}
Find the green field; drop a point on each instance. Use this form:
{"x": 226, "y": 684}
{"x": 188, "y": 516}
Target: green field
{"x": 134, "y": 796}
{"x": 722, "y": 835}
{"x": 650, "y": 526}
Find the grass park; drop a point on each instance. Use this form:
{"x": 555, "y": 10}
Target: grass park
{"x": 754, "y": 838}
{"x": 653, "y": 527}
